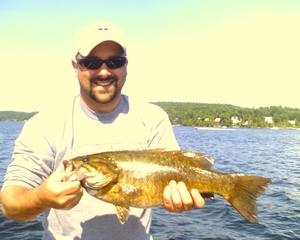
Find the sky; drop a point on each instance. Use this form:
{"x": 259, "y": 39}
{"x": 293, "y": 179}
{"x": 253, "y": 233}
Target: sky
{"x": 240, "y": 52}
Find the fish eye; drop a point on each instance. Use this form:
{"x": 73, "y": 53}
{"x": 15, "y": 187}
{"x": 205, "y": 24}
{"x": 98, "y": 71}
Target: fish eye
{"x": 85, "y": 159}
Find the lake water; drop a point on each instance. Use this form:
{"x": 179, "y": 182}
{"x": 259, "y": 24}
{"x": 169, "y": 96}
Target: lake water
{"x": 266, "y": 152}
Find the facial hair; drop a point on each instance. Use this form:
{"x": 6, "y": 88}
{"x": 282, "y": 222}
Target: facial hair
{"x": 112, "y": 81}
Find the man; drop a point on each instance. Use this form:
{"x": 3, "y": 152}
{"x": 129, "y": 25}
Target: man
{"x": 99, "y": 119}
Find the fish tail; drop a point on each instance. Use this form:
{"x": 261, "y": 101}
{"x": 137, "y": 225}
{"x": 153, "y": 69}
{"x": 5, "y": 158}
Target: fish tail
{"x": 243, "y": 196}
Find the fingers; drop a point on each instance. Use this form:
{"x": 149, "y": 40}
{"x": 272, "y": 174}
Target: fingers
{"x": 67, "y": 195}
{"x": 197, "y": 198}
{"x": 57, "y": 193}
{"x": 177, "y": 198}
{"x": 70, "y": 187}
{"x": 185, "y": 196}
{"x": 172, "y": 200}
{"x": 57, "y": 176}
{"x": 167, "y": 201}
{"x": 57, "y": 182}
{"x": 71, "y": 200}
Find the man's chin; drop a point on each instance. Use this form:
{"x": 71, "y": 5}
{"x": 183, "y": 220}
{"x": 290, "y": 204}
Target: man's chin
{"x": 104, "y": 98}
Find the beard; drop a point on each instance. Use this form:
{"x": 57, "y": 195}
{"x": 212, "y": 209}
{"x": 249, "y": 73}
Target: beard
{"x": 110, "y": 89}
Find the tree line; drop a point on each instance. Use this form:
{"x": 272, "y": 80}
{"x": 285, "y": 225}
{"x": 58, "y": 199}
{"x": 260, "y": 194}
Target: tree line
{"x": 15, "y": 116}
{"x": 209, "y": 115}
{"x": 226, "y": 115}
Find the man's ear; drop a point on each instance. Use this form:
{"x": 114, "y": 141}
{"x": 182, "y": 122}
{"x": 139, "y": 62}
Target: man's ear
{"x": 74, "y": 64}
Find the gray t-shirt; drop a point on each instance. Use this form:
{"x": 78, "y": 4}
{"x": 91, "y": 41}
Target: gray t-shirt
{"x": 72, "y": 130}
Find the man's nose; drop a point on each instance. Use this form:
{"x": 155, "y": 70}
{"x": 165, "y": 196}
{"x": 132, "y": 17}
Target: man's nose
{"x": 104, "y": 71}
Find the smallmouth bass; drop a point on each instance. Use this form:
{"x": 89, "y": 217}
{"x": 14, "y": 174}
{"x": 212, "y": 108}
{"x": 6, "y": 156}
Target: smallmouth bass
{"x": 138, "y": 178}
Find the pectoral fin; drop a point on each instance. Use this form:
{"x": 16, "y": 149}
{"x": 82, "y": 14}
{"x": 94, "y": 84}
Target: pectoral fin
{"x": 122, "y": 213}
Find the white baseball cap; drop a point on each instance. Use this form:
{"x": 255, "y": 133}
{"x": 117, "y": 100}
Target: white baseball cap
{"x": 92, "y": 35}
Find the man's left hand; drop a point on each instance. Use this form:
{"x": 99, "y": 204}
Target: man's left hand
{"x": 177, "y": 198}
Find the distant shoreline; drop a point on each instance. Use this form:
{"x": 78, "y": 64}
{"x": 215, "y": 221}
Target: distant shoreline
{"x": 210, "y": 116}
{"x": 15, "y": 115}
{"x": 234, "y": 128}
{"x": 230, "y": 116}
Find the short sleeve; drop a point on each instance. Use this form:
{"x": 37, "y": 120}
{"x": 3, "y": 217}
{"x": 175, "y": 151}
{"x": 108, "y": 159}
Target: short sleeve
{"x": 162, "y": 134}
{"x": 32, "y": 158}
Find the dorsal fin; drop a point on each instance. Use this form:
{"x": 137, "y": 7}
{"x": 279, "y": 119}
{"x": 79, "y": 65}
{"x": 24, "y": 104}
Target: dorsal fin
{"x": 202, "y": 160}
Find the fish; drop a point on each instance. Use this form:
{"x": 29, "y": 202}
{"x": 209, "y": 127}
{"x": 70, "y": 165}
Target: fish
{"x": 137, "y": 179}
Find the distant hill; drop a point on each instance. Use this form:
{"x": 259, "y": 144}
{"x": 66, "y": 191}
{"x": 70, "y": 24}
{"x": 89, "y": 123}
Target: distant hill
{"x": 220, "y": 115}
{"x": 210, "y": 115}
{"x": 15, "y": 116}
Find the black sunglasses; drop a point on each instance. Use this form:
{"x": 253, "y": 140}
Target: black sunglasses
{"x": 93, "y": 63}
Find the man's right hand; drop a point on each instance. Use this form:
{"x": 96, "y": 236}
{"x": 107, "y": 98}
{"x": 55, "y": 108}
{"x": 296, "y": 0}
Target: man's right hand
{"x": 56, "y": 193}
{"x": 23, "y": 203}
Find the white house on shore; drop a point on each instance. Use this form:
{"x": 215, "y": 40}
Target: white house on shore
{"x": 292, "y": 122}
{"x": 217, "y": 120}
{"x": 235, "y": 120}
{"x": 269, "y": 120}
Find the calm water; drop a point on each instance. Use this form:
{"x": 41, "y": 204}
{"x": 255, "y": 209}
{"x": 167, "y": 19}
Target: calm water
{"x": 271, "y": 153}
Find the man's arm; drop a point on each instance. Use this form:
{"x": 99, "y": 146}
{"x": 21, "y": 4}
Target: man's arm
{"x": 22, "y": 203}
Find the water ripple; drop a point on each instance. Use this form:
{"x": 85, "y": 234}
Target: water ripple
{"x": 275, "y": 154}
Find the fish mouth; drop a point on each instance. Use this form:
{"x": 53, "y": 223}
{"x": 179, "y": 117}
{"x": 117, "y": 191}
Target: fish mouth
{"x": 88, "y": 185}
{"x": 89, "y": 178}
{"x": 96, "y": 181}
